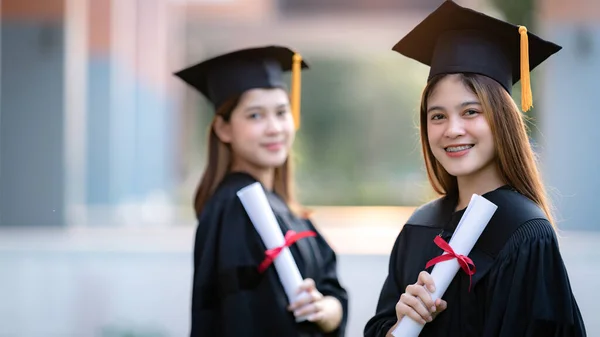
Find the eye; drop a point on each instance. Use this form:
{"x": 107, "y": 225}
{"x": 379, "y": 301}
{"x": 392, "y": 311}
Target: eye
{"x": 471, "y": 112}
{"x": 254, "y": 115}
{"x": 282, "y": 112}
{"x": 435, "y": 117}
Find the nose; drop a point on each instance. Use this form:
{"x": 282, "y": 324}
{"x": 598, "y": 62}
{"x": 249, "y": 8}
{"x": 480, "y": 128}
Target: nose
{"x": 274, "y": 125}
{"x": 455, "y": 128}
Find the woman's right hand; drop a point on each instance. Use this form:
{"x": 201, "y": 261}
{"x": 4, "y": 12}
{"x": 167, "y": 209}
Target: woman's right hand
{"x": 416, "y": 302}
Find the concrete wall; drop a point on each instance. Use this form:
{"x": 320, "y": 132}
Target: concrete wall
{"x": 31, "y": 115}
{"x": 567, "y": 114}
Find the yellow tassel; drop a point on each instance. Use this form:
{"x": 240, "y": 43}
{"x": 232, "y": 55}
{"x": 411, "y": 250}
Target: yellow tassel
{"x": 526, "y": 95}
{"x": 296, "y": 84}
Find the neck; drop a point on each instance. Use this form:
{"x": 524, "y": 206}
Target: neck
{"x": 486, "y": 180}
{"x": 265, "y": 176}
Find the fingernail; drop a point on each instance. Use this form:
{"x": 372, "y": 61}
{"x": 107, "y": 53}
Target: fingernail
{"x": 429, "y": 319}
{"x": 433, "y": 309}
{"x": 431, "y": 288}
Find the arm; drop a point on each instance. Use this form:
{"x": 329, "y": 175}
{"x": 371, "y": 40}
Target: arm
{"x": 398, "y": 299}
{"x": 529, "y": 288}
{"x": 331, "y": 298}
{"x": 205, "y": 303}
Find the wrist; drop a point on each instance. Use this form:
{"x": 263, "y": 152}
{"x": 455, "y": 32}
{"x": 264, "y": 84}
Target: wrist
{"x": 389, "y": 333}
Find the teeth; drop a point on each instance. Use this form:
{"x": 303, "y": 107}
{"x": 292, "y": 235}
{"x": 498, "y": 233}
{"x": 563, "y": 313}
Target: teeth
{"x": 458, "y": 148}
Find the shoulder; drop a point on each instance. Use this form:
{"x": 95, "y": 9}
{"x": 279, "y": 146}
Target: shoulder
{"x": 432, "y": 213}
{"x": 225, "y": 196}
{"x": 426, "y": 208}
{"x": 514, "y": 207}
{"x": 516, "y": 214}
{"x": 534, "y": 231}
{"x": 231, "y": 184}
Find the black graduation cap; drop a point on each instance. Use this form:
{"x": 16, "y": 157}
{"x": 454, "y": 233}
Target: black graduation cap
{"x": 231, "y": 74}
{"x": 455, "y": 39}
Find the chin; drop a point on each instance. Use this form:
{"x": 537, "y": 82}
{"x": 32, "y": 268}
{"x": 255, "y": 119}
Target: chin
{"x": 458, "y": 170}
{"x": 458, "y": 173}
{"x": 274, "y": 161}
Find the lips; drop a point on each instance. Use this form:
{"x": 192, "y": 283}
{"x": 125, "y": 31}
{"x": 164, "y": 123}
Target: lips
{"x": 273, "y": 146}
{"x": 458, "y": 148}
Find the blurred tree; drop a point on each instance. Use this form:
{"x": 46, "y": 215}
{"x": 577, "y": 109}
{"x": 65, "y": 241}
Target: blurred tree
{"x": 517, "y": 11}
{"x": 522, "y": 12}
{"x": 358, "y": 144}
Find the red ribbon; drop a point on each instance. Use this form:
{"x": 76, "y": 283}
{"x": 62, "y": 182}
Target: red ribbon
{"x": 449, "y": 254}
{"x": 290, "y": 238}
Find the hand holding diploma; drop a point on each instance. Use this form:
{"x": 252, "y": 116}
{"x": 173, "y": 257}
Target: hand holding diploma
{"x": 325, "y": 311}
{"x": 471, "y": 225}
{"x": 417, "y": 303}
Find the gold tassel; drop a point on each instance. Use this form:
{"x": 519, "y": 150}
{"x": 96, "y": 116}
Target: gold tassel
{"x": 526, "y": 95}
{"x": 296, "y": 84}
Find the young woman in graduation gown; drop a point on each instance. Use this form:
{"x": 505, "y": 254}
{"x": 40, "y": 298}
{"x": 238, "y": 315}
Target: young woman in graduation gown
{"x": 474, "y": 141}
{"x": 250, "y": 140}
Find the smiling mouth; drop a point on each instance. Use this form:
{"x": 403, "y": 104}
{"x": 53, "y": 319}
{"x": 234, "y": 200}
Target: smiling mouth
{"x": 273, "y": 146}
{"x": 458, "y": 148}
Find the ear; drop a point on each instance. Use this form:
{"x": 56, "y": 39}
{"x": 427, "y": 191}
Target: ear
{"x": 222, "y": 129}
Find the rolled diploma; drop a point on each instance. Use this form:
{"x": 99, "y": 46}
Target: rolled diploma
{"x": 471, "y": 225}
{"x": 259, "y": 211}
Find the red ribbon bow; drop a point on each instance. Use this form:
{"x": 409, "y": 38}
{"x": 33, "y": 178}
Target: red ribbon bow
{"x": 290, "y": 238}
{"x": 449, "y": 254}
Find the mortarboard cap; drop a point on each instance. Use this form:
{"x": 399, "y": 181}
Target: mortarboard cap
{"x": 231, "y": 74}
{"x": 454, "y": 39}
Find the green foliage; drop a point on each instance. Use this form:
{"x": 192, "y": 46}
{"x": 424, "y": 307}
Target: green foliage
{"x": 520, "y": 12}
{"x": 358, "y": 144}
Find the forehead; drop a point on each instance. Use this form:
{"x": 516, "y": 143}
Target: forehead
{"x": 451, "y": 90}
{"x": 264, "y": 97}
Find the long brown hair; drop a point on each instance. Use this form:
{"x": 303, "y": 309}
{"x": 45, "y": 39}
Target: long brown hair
{"x": 219, "y": 164}
{"x": 515, "y": 159}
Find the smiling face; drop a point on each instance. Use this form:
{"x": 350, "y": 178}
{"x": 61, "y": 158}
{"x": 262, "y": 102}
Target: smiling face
{"x": 458, "y": 133}
{"x": 260, "y": 131}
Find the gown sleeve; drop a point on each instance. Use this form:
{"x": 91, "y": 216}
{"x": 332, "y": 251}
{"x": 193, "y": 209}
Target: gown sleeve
{"x": 204, "y": 296}
{"x": 529, "y": 289}
{"x": 328, "y": 282}
{"x": 385, "y": 314}
{"x": 225, "y": 279}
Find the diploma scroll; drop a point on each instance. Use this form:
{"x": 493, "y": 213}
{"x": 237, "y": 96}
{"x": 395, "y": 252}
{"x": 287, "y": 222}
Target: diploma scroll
{"x": 259, "y": 211}
{"x": 471, "y": 225}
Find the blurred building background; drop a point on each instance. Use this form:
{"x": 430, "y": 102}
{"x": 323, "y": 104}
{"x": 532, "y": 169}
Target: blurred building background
{"x": 102, "y": 148}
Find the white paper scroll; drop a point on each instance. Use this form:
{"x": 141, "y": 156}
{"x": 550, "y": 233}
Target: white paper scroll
{"x": 257, "y": 206}
{"x": 471, "y": 225}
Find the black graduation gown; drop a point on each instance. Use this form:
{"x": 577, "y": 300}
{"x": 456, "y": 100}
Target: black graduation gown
{"x": 229, "y": 296}
{"x": 520, "y": 288}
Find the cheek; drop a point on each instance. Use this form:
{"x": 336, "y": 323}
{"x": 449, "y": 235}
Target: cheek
{"x": 433, "y": 135}
{"x": 486, "y": 138}
{"x": 287, "y": 123}
{"x": 244, "y": 132}
{"x": 483, "y": 132}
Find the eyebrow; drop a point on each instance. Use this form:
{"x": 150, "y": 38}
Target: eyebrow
{"x": 462, "y": 105}
{"x": 258, "y": 107}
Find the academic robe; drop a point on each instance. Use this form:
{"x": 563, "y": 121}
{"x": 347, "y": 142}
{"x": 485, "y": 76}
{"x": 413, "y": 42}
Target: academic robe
{"x": 520, "y": 288}
{"x": 230, "y": 297}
